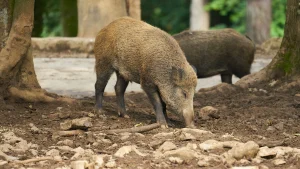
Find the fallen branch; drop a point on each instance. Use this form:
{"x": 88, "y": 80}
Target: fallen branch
{"x": 134, "y": 129}
{"x": 36, "y": 160}
{"x": 67, "y": 133}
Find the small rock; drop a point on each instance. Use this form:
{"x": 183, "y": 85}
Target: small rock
{"x": 277, "y": 162}
{"x": 112, "y": 146}
{"x": 91, "y": 114}
{"x": 163, "y": 135}
{"x": 139, "y": 135}
{"x": 64, "y": 115}
{"x": 279, "y": 126}
{"x": 209, "y": 112}
{"x": 175, "y": 160}
{"x": 263, "y": 167}
{"x": 81, "y": 164}
{"x": 53, "y": 153}
{"x": 22, "y": 146}
{"x": 126, "y": 150}
{"x": 197, "y": 132}
{"x": 246, "y": 167}
{"x": 297, "y": 95}
{"x": 6, "y": 148}
{"x": 262, "y": 90}
{"x": 11, "y": 138}
{"x": 184, "y": 153}
{"x": 111, "y": 164}
{"x": 34, "y": 129}
{"x": 270, "y": 128}
{"x": 125, "y": 136}
{"x": 186, "y": 136}
{"x": 257, "y": 160}
{"x": 211, "y": 145}
{"x": 191, "y": 146}
{"x": 3, "y": 162}
{"x": 33, "y": 152}
{"x": 66, "y": 142}
{"x": 244, "y": 161}
{"x": 154, "y": 144}
{"x": 167, "y": 146}
{"x": 266, "y": 152}
{"x": 98, "y": 160}
{"x": 202, "y": 163}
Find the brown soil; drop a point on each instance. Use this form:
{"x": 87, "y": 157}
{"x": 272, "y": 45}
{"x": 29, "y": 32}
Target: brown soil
{"x": 246, "y": 115}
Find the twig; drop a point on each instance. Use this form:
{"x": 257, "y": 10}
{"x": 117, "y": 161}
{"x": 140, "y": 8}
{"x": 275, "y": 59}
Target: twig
{"x": 36, "y": 160}
{"x": 135, "y": 129}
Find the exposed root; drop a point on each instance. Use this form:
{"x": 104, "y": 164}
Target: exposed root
{"x": 37, "y": 95}
{"x": 253, "y": 79}
{"x": 220, "y": 89}
{"x": 289, "y": 86}
{"x": 36, "y": 160}
{"x": 134, "y": 129}
{"x": 67, "y": 133}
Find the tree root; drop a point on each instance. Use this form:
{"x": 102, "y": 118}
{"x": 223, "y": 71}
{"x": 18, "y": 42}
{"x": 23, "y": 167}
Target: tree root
{"x": 134, "y": 129}
{"x": 67, "y": 133}
{"x": 37, "y": 95}
{"x": 36, "y": 160}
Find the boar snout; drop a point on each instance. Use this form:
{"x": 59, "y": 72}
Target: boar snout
{"x": 188, "y": 115}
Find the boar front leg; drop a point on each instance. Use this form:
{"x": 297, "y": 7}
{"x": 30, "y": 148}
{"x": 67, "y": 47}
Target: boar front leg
{"x": 120, "y": 88}
{"x": 226, "y": 78}
{"x": 157, "y": 104}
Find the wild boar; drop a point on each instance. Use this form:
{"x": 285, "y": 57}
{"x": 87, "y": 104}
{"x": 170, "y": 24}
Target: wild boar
{"x": 213, "y": 52}
{"x": 141, "y": 53}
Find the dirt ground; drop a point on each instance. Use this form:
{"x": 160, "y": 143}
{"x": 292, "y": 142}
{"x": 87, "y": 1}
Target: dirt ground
{"x": 268, "y": 118}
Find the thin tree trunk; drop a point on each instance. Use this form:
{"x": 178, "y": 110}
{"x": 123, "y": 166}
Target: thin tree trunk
{"x": 259, "y": 19}
{"x": 199, "y": 19}
{"x": 69, "y": 19}
{"x": 93, "y": 15}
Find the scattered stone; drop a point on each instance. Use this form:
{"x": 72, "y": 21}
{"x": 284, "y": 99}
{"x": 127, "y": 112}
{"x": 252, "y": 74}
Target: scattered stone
{"x": 99, "y": 160}
{"x": 6, "y": 148}
{"x": 34, "y": 129}
{"x": 112, "y": 146}
{"x": 7, "y": 157}
{"x": 202, "y": 163}
{"x": 266, "y": 152}
{"x": 197, "y": 132}
{"x": 167, "y": 146}
{"x": 11, "y": 138}
{"x": 248, "y": 150}
{"x": 211, "y": 145}
{"x": 111, "y": 164}
{"x": 272, "y": 83}
{"x": 125, "y": 136}
{"x": 22, "y": 146}
{"x": 277, "y": 162}
{"x": 154, "y": 144}
{"x": 81, "y": 164}
{"x": 184, "y": 153}
{"x": 33, "y": 152}
{"x": 161, "y": 136}
{"x": 186, "y": 136}
{"x": 270, "y": 128}
{"x": 257, "y": 160}
{"x": 191, "y": 146}
{"x": 64, "y": 115}
{"x": 176, "y": 160}
{"x": 244, "y": 162}
{"x": 81, "y": 123}
{"x": 126, "y": 150}
{"x": 263, "y": 167}
{"x": 297, "y": 95}
{"x": 52, "y": 153}
{"x": 246, "y": 167}
{"x": 139, "y": 135}
{"x": 66, "y": 142}
{"x": 208, "y": 112}
{"x": 279, "y": 126}
{"x": 262, "y": 90}
{"x": 3, "y": 162}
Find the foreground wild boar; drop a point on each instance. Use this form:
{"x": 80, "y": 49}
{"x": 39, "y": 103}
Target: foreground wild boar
{"x": 141, "y": 53}
{"x": 224, "y": 52}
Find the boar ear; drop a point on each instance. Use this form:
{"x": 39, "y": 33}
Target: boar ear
{"x": 177, "y": 74}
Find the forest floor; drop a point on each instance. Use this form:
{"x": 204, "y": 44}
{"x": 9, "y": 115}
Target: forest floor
{"x": 257, "y": 128}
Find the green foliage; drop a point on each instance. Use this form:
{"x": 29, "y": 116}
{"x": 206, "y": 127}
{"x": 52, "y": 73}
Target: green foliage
{"x": 236, "y": 10}
{"x": 285, "y": 64}
{"x": 169, "y": 15}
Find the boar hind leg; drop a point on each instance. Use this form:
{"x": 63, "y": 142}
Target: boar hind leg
{"x": 102, "y": 79}
{"x": 226, "y": 78}
{"x": 120, "y": 88}
{"x": 158, "y": 106}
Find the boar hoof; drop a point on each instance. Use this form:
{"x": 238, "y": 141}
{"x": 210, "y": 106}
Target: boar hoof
{"x": 123, "y": 115}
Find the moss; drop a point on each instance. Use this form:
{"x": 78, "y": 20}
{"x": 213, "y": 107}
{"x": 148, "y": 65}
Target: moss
{"x": 285, "y": 64}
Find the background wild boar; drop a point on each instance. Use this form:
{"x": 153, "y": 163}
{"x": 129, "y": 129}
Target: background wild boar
{"x": 141, "y": 53}
{"x": 224, "y": 52}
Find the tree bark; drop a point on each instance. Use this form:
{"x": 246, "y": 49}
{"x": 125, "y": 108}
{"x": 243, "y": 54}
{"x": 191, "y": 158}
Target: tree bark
{"x": 259, "y": 17}
{"x": 93, "y": 15}
{"x": 199, "y": 19}
{"x": 286, "y": 63}
{"x": 17, "y": 75}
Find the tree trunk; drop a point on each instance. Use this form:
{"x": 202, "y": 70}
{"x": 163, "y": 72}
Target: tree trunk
{"x": 259, "y": 17}
{"x": 69, "y": 19}
{"x": 199, "y": 18}
{"x": 93, "y": 15}
{"x": 17, "y": 75}
{"x": 286, "y": 64}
